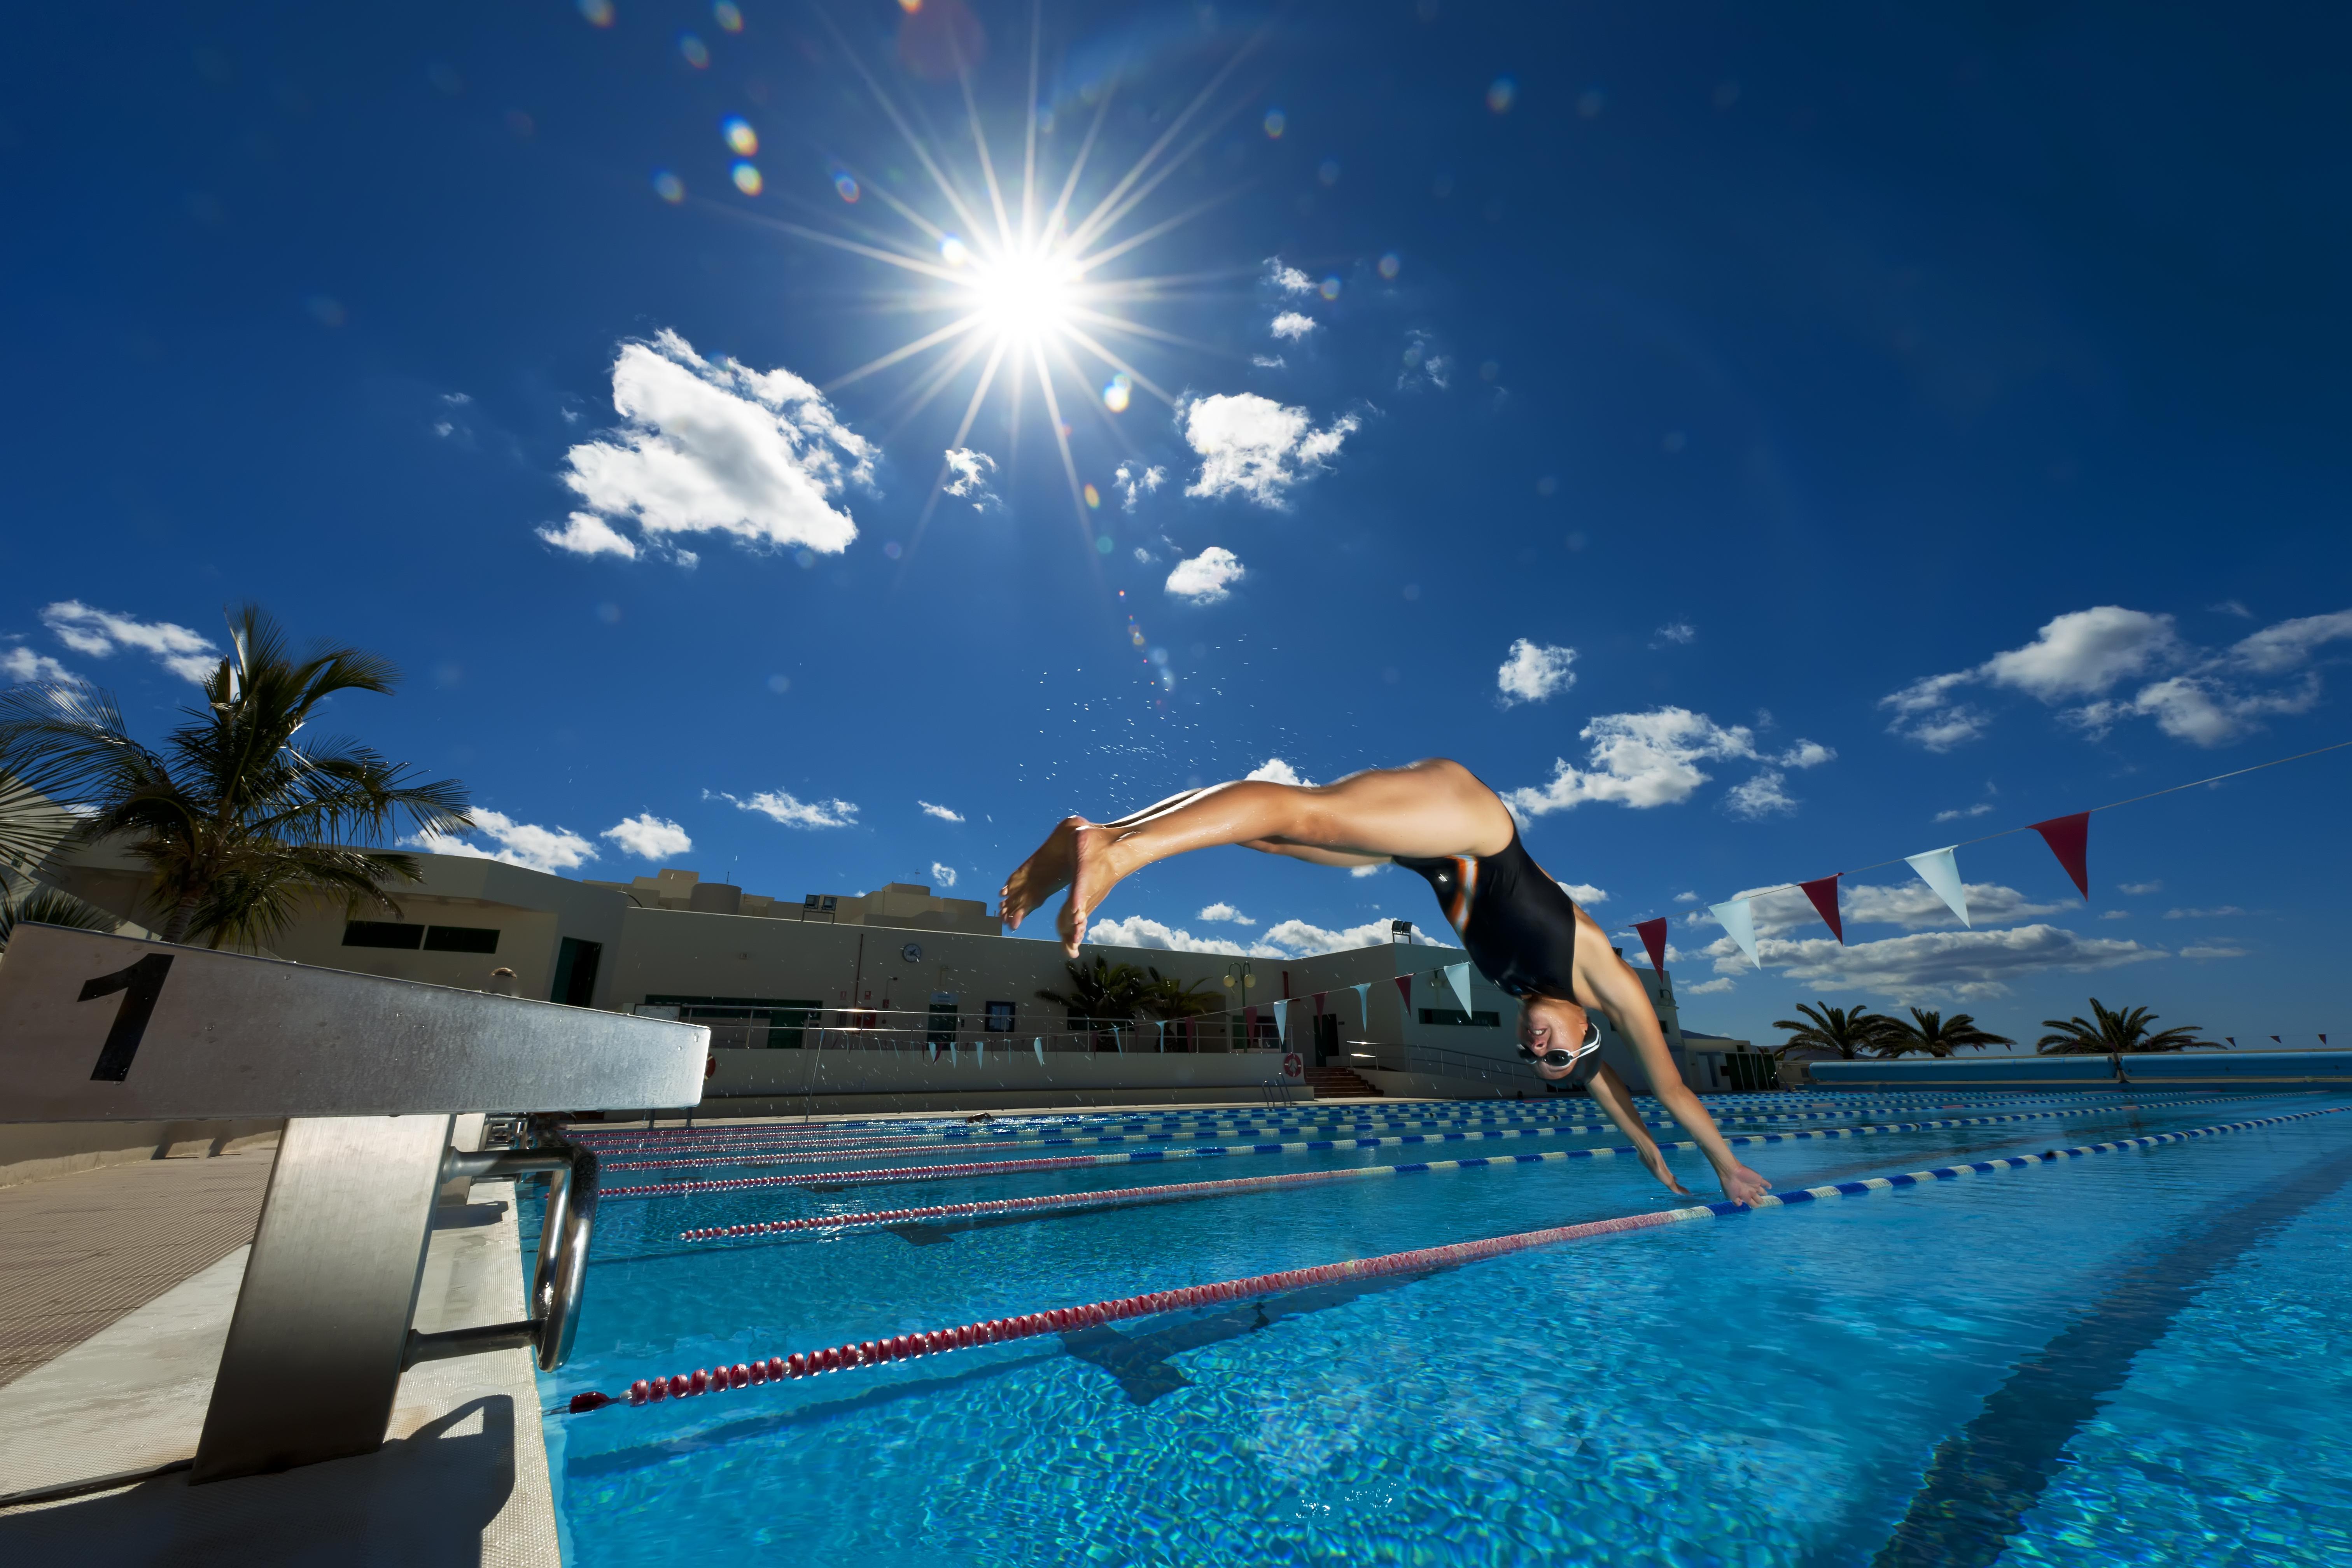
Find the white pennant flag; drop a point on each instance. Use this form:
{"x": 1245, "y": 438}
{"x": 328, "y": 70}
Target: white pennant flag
{"x": 1940, "y": 869}
{"x": 1160, "y": 1034}
{"x": 1457, "y": 976}
{"x": 1038, "y": 1045}
{"x": 1739, "y": 924}
{"x": 1281, "y": 1020}
{"x": 1364, "y": 1000}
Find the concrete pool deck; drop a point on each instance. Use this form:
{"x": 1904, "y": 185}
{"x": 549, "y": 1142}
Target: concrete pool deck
{"x": 99, "y": 1432}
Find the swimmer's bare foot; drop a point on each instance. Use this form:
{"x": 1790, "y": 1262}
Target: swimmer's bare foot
{"x": 1043, "y": 874}
{"x": 1090, "y": 883}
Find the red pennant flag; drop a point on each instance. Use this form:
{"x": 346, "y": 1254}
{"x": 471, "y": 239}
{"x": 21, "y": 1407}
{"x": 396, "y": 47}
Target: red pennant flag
{"x": 2232, "y": 1039}
{"x": 2276, "y": 1041}
{"x": 1653, "y": 937}
{"x": 1318, "y": 1002}
{"x": 2323, "y": 1039}
{"x": 2069, "y": 838}
{"x": 1405, "y": 988}
{"x": 1823, "y": 893}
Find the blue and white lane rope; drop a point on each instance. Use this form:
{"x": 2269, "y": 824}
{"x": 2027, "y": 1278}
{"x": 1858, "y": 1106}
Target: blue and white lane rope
{"x": 1063, "y": 1320}
{"x": 749, "y": 1152}
{"x": 885, "y": 1175}
{"x": 911, "y": 1128}
{"x": 918, "y": 1151}
{"x": 1237, "y": 1186}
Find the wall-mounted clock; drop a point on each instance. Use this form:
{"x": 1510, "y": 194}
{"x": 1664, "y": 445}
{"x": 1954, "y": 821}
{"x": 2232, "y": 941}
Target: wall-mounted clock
{"x": 912, "y": 952}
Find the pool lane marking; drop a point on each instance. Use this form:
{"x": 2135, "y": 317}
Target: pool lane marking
{"x": 885, "y": 1175}
{"x": 1093, "y": 1314}
{"x": 829, "y": 1134}
{"x": 1237, "y": 1186}
{"x": 1472, "y": 1130}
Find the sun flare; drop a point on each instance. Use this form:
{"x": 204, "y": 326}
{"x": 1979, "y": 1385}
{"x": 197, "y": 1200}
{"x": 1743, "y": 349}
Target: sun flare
{"x": 1027, "y": 296}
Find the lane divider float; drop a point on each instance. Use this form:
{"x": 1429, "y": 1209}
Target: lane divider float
{"x": 1095, "y": 1314}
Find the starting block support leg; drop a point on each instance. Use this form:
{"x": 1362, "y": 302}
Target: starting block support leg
{"x": 314, "y": 1351}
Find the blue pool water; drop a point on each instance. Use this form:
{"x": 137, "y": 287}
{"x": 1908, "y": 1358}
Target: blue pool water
{"x": 2139, "y": 1358}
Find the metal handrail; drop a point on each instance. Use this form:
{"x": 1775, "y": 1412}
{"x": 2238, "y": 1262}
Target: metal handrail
{"x": 559, "y": 1280}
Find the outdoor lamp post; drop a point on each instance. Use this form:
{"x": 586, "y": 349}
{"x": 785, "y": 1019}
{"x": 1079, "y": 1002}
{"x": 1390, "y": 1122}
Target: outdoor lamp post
{"x": 1238, "y": 980}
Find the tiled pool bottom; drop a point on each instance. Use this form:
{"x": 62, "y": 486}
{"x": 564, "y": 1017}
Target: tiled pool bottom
{"x": 2139, "y": 1358}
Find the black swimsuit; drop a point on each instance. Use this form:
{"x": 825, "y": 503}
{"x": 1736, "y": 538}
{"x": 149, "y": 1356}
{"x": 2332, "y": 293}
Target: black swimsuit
{"x": 1517, "y": 924}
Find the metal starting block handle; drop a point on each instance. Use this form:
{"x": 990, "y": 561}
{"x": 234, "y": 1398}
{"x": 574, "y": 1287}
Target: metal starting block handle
{"x": 557, "y": 1284}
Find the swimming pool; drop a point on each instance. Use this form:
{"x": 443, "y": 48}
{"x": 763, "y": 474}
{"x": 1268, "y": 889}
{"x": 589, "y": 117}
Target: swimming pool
{"x": 2138, "y": 1357}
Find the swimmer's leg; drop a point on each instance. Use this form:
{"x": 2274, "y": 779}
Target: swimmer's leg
{"x": 1429, "y": 808}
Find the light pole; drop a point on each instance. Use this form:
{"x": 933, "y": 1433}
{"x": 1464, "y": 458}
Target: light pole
{"x": 1238, "y": 980}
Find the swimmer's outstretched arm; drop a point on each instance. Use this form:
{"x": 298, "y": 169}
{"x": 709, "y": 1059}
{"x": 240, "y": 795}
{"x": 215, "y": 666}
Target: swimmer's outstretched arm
{"x": 1618, "y": 1101}
{"x": 1606, "y": 984}
{"x": 1429, "y": 808}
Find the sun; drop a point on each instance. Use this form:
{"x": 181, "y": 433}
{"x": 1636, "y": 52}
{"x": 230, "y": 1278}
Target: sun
{"x": 1025, "y": 295}
{"x": 1035, "y": 286}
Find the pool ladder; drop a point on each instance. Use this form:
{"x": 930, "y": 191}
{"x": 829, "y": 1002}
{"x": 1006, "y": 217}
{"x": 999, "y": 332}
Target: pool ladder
{"x": 556, "y": 1282}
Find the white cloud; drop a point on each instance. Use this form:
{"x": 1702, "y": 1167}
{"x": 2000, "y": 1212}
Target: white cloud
{"x": 1287, "y": 280}
{"x": 941, "y": 812}
{"x": 1290, "y": 326}
{"x": 2140, "y": 889}
{"x": 714, "y": 447}
{"x": 1686, "y": 898}
{"x": 585, "y": 534}
{"x": 519, "y": 842}
{"x": 1677, "y": 632}
{"x": 2084, "y": 654}
{"x": 648, "y": 838}
{"x": 1134, "y": 484}
{"x": 1373, "y": 869}
{"x": 1226, "y": 912}
{"x": 1206, "y": 578}
{"x": 1534, "y": 671}
{"x": 99, "y": 633}
{"x": 971, "y": 471}
{"x": 1923, "y": 967}
{"x": 1760, "y": 796}
{"x": 1711, "y": 987}
{"x": 942, "y": 875}
{"x": 2231, "y": 607}
{"x": 1297, "y": 939}
{"x": 1585, "y": 893}
{"x": 1959, "y": 813}
{"x": 1269, "y": 362}
{"x": 1139, "y": 930}
{"x": 2203, "y": 914}
{"x": 1652, "y": 759}
{"x": 1805, "y": 754}
{"x": 2114, "y": 914}
{"x": 2213, "y": 951}
{"x": 19, "y": 663}
{"x": 1256, "y": 447}
{"x": 1274, "y": 770}
{"x": 795, "y": 812}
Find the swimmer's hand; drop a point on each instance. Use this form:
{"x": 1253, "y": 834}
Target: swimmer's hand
{"x": 1742, "y": 1186}
{"x": 1655, "y": 1164}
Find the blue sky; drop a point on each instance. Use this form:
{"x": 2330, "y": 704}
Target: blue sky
{"x": 1760, "y": 443}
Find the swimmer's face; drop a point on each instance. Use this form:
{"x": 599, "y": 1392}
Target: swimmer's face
{"x": 1548, "y": 1023}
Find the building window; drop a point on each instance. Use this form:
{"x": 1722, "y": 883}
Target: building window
{"x": 576, "y": 972}
{"x": 461, "y": 939}
{"x": 1000, "y": 1017}
{"x": 942, "y": 1020}
{"x": 1482, "y": 1019}
{"x": 383, "y": 933}
{"x": 753, "y": 1023}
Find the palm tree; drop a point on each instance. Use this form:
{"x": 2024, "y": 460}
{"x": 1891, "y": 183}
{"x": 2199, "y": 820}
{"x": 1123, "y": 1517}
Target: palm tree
{"x": 240, "y": 823}
{"x": 2108, "y": 1031}
{"x": 32, "y": 826}
{"x": 1847, "y": 1031}
{"x": 1102, "y": 991}
{"x": 37, "y": 905}
{"x": 1936, "y": 1034}
{"x": 1169, "y": 997}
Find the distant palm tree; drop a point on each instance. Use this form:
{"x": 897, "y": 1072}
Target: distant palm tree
{"x": 32, "y": 826}
{"x": 1847, "y": 1031}
{"x": 1937, "y": 1036}
{"x": 240, "y": 823}
{"x": 1101, "y": 993}
{"x": 1169, "y": 997}
{"x": 2108, "y": 1030}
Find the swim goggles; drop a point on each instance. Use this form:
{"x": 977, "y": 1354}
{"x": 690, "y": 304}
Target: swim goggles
{"x": 1560, "y": 1058}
